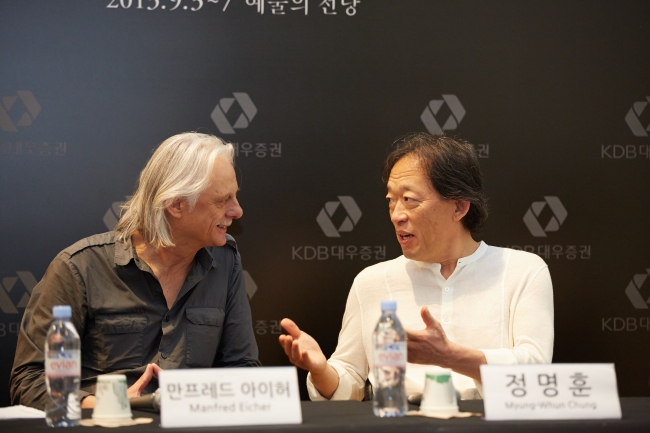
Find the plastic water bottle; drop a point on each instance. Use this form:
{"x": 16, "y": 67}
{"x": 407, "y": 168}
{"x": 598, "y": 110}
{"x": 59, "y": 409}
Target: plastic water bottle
{"x": 389, "y": 364}
{"x": 62, "y": 370}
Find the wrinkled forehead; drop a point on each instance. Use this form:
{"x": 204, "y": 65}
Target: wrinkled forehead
{"x": 408, "y": 170}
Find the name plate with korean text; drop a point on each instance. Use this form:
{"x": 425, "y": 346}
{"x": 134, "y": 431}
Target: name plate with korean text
{"x": 229, "y": 396}
{"x": 550, "y": 391}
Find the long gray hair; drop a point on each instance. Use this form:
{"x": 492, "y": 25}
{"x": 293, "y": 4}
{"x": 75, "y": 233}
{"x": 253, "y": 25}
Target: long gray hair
{"x": 180, "y": 168}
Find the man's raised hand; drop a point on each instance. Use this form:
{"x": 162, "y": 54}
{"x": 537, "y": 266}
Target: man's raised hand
{"x": 303, "y": 351}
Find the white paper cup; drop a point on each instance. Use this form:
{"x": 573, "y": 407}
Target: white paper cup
{"x": 111, "y": 402}
{"x": 439, "y": 396}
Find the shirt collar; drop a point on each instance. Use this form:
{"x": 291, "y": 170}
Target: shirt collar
{"x": 482, "y": 248}
{"x": 463, "y": 261}
{"x": 205, "y": 259}
{"x": 125, "y": 252}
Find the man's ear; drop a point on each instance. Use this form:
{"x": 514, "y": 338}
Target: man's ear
{"x": 174, "y": 208}
{"x": 462, "y": 207}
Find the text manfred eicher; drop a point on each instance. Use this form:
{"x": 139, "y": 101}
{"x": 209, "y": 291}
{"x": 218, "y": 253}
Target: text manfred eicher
{"x": 230, "y": 407}
{"x": 551, "y": 405}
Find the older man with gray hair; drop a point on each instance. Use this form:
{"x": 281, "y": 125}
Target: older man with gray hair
{"x": 164, "y": 290}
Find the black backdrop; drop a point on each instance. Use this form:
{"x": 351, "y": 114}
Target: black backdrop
{"x": 554, "y": 95}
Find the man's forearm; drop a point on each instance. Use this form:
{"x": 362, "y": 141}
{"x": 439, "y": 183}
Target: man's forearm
{"x": 28, "y": 387}
{"x": 465, "y": 361}
{"x": 326, "y": 382}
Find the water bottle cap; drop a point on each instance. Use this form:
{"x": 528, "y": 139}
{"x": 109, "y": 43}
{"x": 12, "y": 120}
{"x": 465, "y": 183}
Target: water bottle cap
{"x": 388, "y": 305}
{"x": 61, "y": 311}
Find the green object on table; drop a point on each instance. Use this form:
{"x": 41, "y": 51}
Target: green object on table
{"x": 444, "y": 378}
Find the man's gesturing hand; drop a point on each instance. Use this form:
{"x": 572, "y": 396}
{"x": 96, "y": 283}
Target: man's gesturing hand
{"x": 136, "y": 389}
{"x": 303, "y": 351}
{"x": 429, "y": 345}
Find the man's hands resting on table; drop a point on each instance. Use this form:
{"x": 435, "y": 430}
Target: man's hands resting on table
{"x": 134, "y": 390}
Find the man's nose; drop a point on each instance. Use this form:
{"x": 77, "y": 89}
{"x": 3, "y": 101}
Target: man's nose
{"x": 235, "y": 211}
{"x": 397, "y": 214}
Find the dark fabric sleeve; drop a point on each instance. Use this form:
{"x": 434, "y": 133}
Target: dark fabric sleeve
{"x": 237, "y": 347}
{"x": 61, "y": 285}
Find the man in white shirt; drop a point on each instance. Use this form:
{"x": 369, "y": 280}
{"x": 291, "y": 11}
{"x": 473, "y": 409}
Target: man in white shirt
{"x": 477, "y": 304}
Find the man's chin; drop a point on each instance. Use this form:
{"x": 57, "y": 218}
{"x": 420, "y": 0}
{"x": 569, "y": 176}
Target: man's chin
{"x": 409, "y": 253}
{"x": 218, "y": 241}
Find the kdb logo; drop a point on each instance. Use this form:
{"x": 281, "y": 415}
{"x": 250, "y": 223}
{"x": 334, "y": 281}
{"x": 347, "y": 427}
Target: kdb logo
{"x": 251, "y": 287}
{"x": 457, "y": 114}
{"x": 8, "y": 284}
{"x": 30, "y": 107}
{"x": 225, "y": 104}
{"x": 633, "y": 118}
{"x": 633, "y": 291}
{"x": 324, "y": 218}
{"x": 112, "y": 215}
{"x": 531, "y": 217}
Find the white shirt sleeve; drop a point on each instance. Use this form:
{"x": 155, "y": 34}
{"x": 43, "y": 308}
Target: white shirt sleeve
{"x": 531, "y": 332}
{"x": 349, "y": 359}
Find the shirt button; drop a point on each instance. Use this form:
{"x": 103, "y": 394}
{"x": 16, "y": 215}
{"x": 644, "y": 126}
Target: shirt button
{"x": 167, "y": 318}
{"x": 445, "y": 318}
{"x": 447, "y": 289}
{"x": 163, "y": 356}
{"x": 191, "y": 278}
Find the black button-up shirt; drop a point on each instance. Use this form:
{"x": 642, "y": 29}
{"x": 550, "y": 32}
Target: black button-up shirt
{"x": 121, "y": 314}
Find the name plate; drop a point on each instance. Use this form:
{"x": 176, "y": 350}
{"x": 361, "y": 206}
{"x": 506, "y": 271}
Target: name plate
{"x": 229, "y": 396}
{"x": 550, "y": 391}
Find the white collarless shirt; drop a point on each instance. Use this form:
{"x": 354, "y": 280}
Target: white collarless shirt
{"x": 497, "y": 300}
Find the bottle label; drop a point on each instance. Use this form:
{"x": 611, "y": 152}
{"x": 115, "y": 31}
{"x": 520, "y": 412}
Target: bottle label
{"x": 390, "y": 355}
{"x": 63, "y": 364}
{"x": 74, "y": 409}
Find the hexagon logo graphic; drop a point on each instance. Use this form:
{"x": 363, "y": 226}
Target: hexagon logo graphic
{"x": 225, "y": 104}
{"x": 31, "y": 109}
{"x": 112, "y": 215}
{"x": 251, "y": 287}
{"x": 531, "y": 218}
{"x": 324, "y": 218}
{"x": 633, "y": 291}
{"x": 633, "y": 118}
{"x": 9, "y": 284}
{"x": 429, "y": 114}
